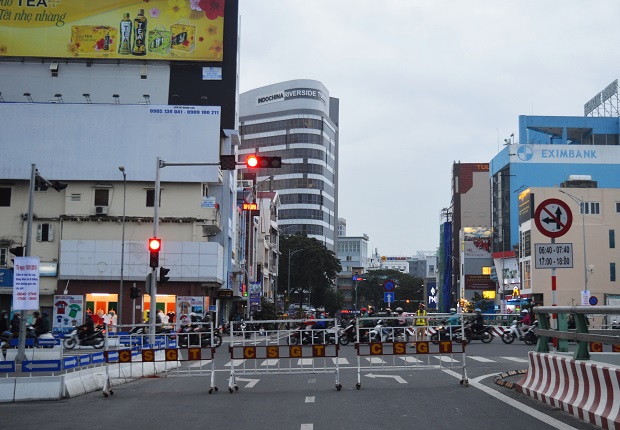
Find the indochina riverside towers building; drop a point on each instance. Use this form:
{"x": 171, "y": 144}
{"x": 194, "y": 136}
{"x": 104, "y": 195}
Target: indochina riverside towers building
{"x": 298, "y": 121}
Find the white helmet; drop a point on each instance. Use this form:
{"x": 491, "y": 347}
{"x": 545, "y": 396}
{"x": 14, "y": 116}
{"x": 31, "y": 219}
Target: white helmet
{"x": 452, "y": 310}
{"x": 524, "y": 311}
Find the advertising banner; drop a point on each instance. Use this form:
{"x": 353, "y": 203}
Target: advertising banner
{"x": 26, "y": 283}
{"x": 184, "y": 30}
{"x": 188, "y": 304}
{"x": 476, "y": 242}
{"x": 67, "y": 312}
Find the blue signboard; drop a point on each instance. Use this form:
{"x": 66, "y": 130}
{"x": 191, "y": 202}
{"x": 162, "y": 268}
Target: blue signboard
{"x": 70, "y": 362}
{"x": 6, "y": 277}
{"x": 7, "y": 366}
{"x": 41, "y": 366}
{"x": 388, "y": 297}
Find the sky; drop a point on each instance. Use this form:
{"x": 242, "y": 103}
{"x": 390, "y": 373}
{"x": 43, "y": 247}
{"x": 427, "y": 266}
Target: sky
{"x": 426, "y": 83}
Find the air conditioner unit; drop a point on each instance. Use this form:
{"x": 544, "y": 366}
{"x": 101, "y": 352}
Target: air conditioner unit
{"x": 101, "y": 210}
{"x": 246, "y": 184}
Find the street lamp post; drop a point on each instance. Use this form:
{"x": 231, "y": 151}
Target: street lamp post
{"x": 581, "y": 204}
{"x": 288, "y": 287}
{"x": 120, "y": 289}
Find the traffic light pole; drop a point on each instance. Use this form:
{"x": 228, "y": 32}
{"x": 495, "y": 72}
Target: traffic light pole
{"x": 21, "y": 345}
{"x": 153, "y": 308}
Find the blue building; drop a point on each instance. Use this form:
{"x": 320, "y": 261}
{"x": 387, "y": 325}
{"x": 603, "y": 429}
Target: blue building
{"x": 551, "y": 150}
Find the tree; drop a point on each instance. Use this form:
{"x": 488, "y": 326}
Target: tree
{"x": 313, "y": 269}
{"x": 370, "y": 290}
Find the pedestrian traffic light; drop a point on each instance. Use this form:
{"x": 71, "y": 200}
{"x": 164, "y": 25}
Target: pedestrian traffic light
{"x": 18, "y": 251}
{"x": 162, "y": 275}
{"x": 257, "y": 162}
{"x": 154, "y": 248}
{"x": 134, "y": 292}
{"x": 228, "y": 162}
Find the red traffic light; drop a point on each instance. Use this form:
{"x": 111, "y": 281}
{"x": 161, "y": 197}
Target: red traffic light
{"x": 154, "y": 244}
{"x": 256, "y": 161}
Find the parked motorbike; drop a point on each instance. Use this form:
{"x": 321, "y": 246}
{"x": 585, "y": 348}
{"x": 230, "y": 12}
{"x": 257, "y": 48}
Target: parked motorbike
{"x": 304, "y": 335}
{"x": 348, "y": 334}
{"x": 515, "y": 332}
{"x": 95, "y": 340}
{"x": 485, "y": 334}
{"x": 189, "y": 335}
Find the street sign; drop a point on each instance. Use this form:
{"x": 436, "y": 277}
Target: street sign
{"x": 593, "y": 300}
{"x": 388, "y": 297}
{"x": 553, "y": 255}
{"x": 553, "y": 218}
{"x": 41, "y": 366}
{"x": 585, "y": 298}
{"x": 7, "y": 366}
{"x": 389, "y": 285}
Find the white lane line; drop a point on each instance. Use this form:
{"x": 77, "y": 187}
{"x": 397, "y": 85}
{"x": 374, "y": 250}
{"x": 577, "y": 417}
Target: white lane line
{"x": 481, "y": 359}
{"x": 446, "y": 359}
{"x": 517, "y": 359}
{"x": 200, "y": 363}
{"x": 307, "y": 427}
{"x": 309, "y": 399}
{"x": 270, "y": 362}
{"x": 511, "y": 402}
{"x": 235, "y": 363}
{"x": 312, "y": 381}
{"x": 340, "y": 360}
{"x": 305, "y": 362}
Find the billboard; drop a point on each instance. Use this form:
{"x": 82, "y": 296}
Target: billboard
{"x": 183, "y": 30}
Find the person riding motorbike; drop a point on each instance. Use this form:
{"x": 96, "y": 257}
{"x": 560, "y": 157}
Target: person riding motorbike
{"x": 526, "y": 321}
{"x": 86, "y": 329}
{"x": 478, "y": 321}
{"x": 42, "y": 324}
{"x": 452, "y": 321}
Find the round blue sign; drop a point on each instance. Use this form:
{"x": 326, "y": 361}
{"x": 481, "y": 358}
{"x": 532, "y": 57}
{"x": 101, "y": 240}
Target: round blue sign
{"x": 593, "y": 300}
{"x": 389, "y": 286}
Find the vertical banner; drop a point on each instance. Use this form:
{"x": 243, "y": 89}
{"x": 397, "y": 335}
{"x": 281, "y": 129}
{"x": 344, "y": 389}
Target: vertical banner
{"x": 187, "y": 305}
{"x": 26, "y": 283}
{"x": 68, "y": 310}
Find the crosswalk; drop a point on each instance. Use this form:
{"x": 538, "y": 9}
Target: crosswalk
{"x": 342, "y": 361}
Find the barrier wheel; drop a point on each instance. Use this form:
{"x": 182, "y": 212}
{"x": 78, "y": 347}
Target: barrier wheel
{"x": 338, "y": 387}
{"x": 358, "y": 385}
{"x": 236, "y": 388}
{"x": 105, "y": 395}
{"x": 230, "y": 390}
{"x": 215, "y": 388}
{"x": 111, "y": 393}
{"x": 211, "y": 391}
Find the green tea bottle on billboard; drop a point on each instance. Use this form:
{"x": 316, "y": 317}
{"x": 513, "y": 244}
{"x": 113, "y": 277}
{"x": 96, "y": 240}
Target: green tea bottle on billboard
{"x": 124, "y": 47}
{"x": 139, "y": 29}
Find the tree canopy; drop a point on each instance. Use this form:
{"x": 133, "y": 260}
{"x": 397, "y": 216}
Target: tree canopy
{"x": 370, "y": 290}
{"x": 313, "y": 270}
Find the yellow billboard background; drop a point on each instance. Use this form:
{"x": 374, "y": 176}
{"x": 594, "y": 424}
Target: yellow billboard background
{"x": 184, "y": 30}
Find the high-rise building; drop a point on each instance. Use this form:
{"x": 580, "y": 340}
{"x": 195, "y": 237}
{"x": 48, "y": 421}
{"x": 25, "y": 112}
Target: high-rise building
{"x": 298, "y": 121}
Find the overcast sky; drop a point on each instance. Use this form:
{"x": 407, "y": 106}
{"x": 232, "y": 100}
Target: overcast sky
{"x": 425, "y": 83}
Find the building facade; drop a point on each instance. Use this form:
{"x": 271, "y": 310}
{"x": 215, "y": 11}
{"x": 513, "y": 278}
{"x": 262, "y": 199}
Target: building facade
{"x": 298, "y": 121}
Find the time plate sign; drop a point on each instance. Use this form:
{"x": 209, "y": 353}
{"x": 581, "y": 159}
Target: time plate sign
{"x": 553, "y": 255}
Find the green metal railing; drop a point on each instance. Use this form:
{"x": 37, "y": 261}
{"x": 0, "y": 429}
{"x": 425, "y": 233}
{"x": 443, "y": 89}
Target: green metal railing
{"x": 581, "y": 334}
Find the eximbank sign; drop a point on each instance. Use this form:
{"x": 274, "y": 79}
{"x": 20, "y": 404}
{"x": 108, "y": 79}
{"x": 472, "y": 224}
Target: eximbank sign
{"x": 565, "y": 154}
{"x": 294, "y": 93}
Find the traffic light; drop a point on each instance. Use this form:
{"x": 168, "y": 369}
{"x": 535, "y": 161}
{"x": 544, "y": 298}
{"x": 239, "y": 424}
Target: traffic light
{"x": 228, "y": 162}
{"x": 244, "y": 290}
{"x": 162, "y": 275}
{"x": 154, "y": 248}
{"x": 18, "y": 251}
{"x": 260, "y": 162}
{"x": 134, "y": 292}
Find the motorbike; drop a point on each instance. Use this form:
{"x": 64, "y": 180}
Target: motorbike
{"x": 381, "y": 333}
{"x": 304, "y": 335}
{"x": 451, "y": 333}
{"x": 348, "y": 334}
{"x": 95, "y": 340}
{"x": 485, "y": 334}
{"x": 515, "y": 332}
{"x": 189, "y": 335}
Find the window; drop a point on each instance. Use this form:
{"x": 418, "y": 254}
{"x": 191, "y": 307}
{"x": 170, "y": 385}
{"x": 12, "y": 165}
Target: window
{"x": 45, "y": 232}
{"x": 618, "y": 207}
{"x": 612, "y": 239}
{"x": 150, "y": 198}
{"x": 592, "y": 208}
{"x": 102, "y": 197}
{"x": 4, "y": 252}
{"x": 612, "y": 272}
{"x": 5, "y": 196}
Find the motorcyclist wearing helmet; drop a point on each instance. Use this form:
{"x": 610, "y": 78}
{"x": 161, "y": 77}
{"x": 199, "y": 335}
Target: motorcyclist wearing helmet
{"x": 526, "y": 320}
{"x": 477, "y": 321}
{"x": 88, "y": 328}
{"x": 452, "y": 321}
{"x": 42, "y": 324}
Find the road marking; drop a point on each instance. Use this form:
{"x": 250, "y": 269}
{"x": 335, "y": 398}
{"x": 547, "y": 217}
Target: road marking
{"x": 270, "y": 362}
{"x": 305, "y": 362}
{"x": 446, "y": 359}
{"x": 512, "y": 402}
{"x": 340, "y": 360}
{"x": 481, "y": 359}
{"x": 312, "y": 381}
{"x": 251, "y": 382}
{"x": 309, "y": 399}
{"x": 375, "y": 360}
{"x": 411, "y": 360}
{"x": 518, "y": 360}
{"x": 235, "y": 363}
{"x": 200, "y": 363}
{"x": 307, "y": 427}
{"x": 395, "y": 377}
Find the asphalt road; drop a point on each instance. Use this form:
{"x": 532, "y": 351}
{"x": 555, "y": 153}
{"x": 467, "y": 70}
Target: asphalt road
{"x": 389, "y": 398}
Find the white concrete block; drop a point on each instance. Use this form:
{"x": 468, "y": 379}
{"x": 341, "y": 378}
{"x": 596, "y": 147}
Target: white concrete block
{"x": 7, "y": 389}
{"x": 39, "y": 388}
